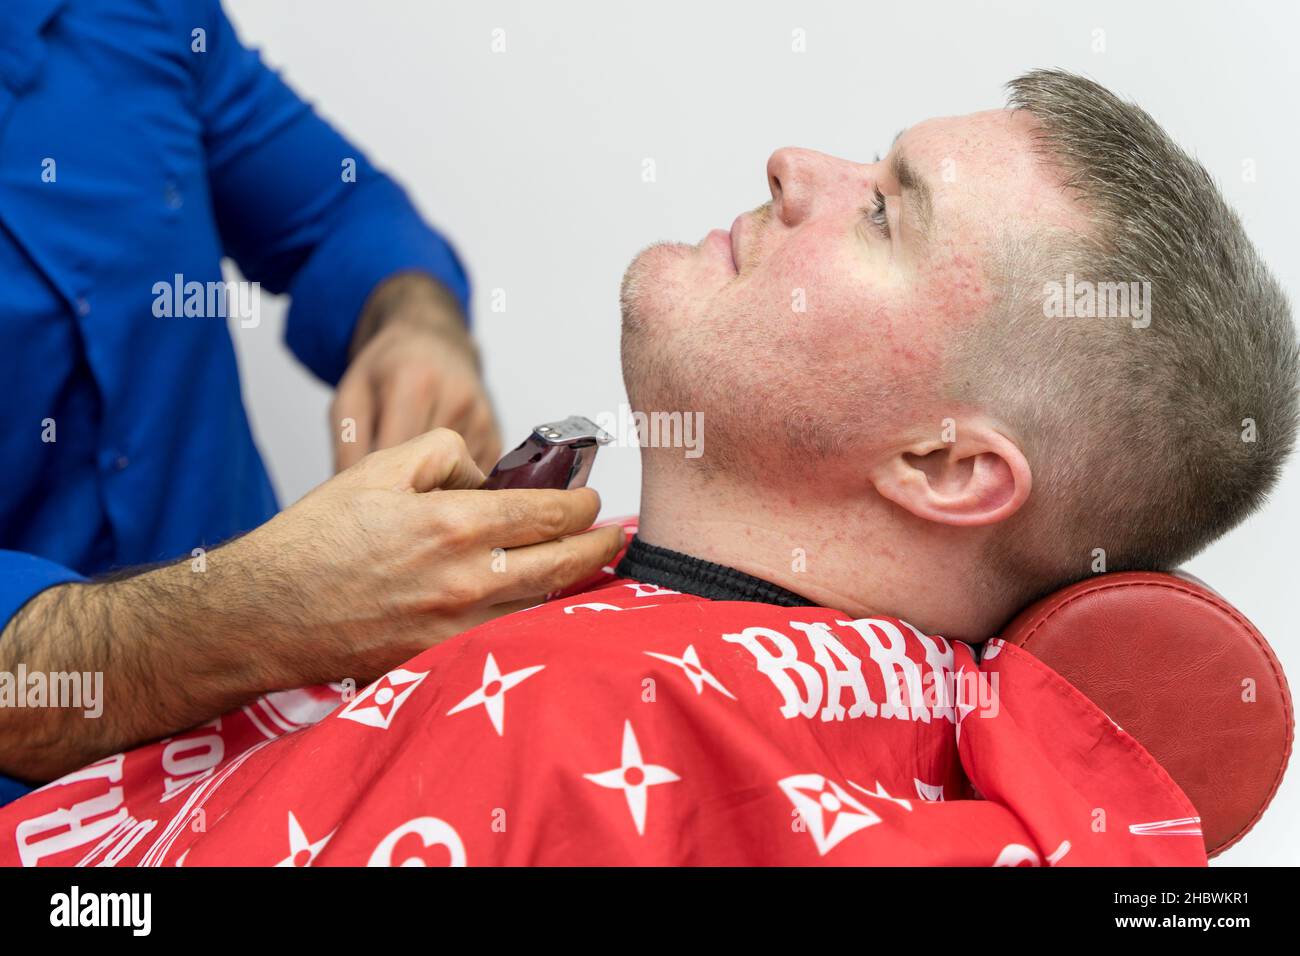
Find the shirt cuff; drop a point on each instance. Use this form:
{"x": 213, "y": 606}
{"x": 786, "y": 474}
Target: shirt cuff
{"x": 11, "y": 790}
{"x": 378, "y": 235}
{"x": 23, "y": 576}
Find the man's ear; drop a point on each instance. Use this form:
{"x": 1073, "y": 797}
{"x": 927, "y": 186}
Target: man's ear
{"x": 981, "y": 478}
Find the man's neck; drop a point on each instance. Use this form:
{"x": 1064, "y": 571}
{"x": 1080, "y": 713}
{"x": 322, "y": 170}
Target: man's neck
{"x": 860, "y": 557}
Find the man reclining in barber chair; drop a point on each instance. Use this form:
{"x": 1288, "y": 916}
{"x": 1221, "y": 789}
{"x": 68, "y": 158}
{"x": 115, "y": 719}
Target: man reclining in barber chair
{"x": 918, "y": 419}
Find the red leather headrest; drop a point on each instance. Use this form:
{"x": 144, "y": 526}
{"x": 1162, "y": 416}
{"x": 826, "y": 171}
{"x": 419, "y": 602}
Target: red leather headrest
{"x": 1183, "y": 672}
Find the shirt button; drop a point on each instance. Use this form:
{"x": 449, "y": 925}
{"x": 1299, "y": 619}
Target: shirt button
{"x": 172, "y": 195}
{"x": 83, "y": 305}
{"x": 110, "y": 459}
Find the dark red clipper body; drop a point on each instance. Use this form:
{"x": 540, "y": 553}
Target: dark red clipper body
{"x": 556, "y": 455}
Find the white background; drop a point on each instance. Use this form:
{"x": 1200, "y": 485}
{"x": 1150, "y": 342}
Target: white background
{"x": 531, "y": 161}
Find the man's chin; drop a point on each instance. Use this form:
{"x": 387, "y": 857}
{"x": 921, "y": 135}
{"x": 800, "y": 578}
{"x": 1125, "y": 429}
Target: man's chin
{"x": 651, "y": 281}
{"x": 657, "y": 298}
{"x": 657, "y": 261}
{"x": 672, "y": 277}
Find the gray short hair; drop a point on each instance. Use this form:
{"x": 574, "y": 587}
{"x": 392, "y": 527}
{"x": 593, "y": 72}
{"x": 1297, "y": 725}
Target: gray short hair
{"x": 1148, "y": 442}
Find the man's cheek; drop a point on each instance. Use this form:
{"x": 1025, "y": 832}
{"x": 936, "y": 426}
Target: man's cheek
{"x": 954, "y": 286}
{"x": 822, "y": 302}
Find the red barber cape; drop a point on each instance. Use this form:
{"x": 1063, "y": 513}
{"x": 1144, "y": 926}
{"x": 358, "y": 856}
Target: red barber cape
{"x": 631, "y": 724}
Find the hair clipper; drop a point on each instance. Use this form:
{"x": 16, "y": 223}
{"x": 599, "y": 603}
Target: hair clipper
{"x": 556, "y": 455}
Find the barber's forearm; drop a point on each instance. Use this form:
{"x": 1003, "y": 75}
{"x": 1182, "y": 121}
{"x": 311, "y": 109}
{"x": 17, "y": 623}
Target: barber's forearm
{"x": 366, "y": 571}
{"x": 175, "y": 648}
{"x": 414, "y": 297}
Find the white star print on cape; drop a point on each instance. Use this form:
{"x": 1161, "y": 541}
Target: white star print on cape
{"x": 690, "y": 664}
{"x": 491, "y": 695}
{"x": 929, "y": 792}
{"x": 820, "y": 801}
{"x": 301, "y": 850}
{"x": 378, "y": 704}
{"x": 633, "y": 777}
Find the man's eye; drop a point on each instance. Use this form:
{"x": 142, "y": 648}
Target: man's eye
{"x": 876, "y": 213}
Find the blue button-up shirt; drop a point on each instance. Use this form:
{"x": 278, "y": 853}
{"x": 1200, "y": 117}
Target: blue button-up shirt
{"x": 139, "y": 142}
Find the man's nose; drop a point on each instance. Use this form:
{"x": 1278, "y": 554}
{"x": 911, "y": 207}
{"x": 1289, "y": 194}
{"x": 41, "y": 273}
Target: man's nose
{"x": 793, "y": 176}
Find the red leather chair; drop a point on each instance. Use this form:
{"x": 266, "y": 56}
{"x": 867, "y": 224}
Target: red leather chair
{"x": 1182, "y": 671}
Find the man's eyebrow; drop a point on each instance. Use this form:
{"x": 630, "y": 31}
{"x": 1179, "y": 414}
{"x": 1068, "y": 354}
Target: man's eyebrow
{"x": 911, "y": 182}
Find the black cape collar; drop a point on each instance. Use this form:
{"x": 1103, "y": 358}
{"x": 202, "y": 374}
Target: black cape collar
{"x": 681, "y": 572}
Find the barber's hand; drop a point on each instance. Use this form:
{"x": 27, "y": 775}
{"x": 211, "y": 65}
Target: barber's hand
{"x": 399, "y": 552}
{"x": 414, "y": 368}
